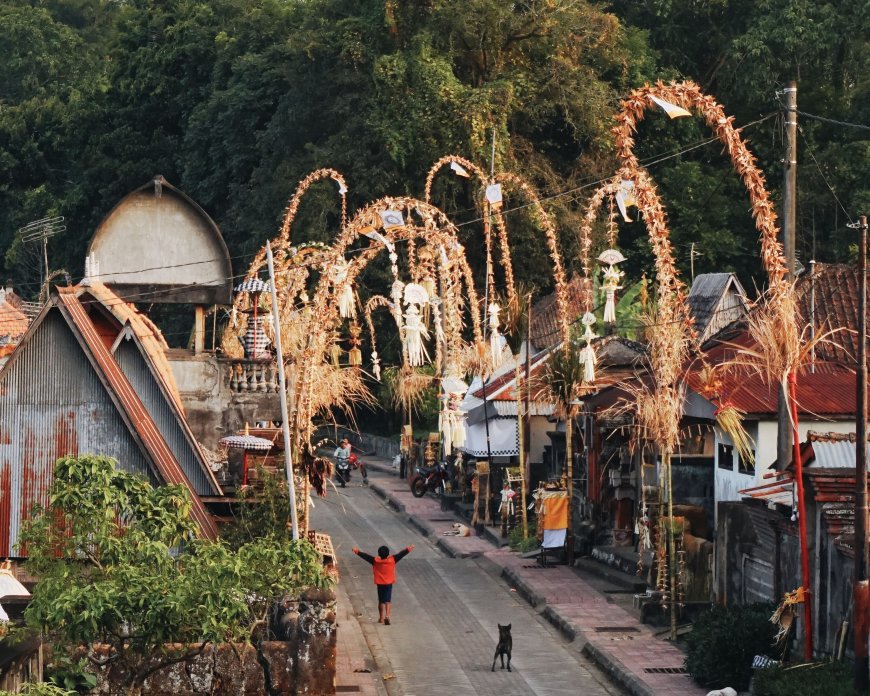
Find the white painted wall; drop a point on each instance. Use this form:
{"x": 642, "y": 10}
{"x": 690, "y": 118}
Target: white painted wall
{"x": 730, "y": 481}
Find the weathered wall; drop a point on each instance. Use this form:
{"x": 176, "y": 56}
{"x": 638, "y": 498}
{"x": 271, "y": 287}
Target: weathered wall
{"x": 213, "y": 407}
{"x": 758, "y": 559}
{"x": 303, "y": 662}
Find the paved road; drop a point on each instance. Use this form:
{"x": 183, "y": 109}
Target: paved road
{"x": 445, "y": 612}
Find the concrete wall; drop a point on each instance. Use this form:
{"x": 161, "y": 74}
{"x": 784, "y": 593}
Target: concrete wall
{"x": 141, "y": 242}
{"x": 213, "y": 409}
{"x": 730, "y": 481}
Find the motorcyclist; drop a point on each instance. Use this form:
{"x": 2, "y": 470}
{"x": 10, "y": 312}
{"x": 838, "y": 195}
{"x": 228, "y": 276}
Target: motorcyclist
{"x": 342, "y": 458}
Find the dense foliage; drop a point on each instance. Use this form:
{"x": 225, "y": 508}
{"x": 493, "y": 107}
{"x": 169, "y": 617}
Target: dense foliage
{"x": 817, "y": 679}
{"x": 723, "y": 642}
{"x": 119, "y": 564}
{"x": 235, "y": 100}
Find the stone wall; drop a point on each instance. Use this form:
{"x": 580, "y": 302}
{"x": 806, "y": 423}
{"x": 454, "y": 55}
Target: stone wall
{"x": 302, "y": 662}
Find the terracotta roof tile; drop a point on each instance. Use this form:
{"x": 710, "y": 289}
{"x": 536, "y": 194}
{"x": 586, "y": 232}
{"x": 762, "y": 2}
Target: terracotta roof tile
{"x": 833, "y": 291}
{"x": 13, "y": 323}
{"x": 545, "y": 330}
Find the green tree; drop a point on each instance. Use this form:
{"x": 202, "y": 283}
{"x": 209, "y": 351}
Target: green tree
{"x": 119, "y": 564}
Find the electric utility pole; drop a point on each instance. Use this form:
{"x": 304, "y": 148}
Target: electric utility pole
{"x": 789, "y": 208}
{"x": 861, "y": 588}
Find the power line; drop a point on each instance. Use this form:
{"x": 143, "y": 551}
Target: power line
{"x": 834, "y": 121}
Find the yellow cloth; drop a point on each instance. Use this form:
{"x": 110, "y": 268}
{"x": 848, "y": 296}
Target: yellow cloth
{"x": 555, "y": 512}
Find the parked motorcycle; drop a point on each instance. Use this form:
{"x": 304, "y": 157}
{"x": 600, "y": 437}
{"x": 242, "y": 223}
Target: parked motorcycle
{"x": 429, "y": 479}
{"x": 342, "y": 471}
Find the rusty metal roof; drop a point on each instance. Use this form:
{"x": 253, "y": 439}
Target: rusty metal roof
{"x": 128, "y": 402}
{"x": 829, "y": 297}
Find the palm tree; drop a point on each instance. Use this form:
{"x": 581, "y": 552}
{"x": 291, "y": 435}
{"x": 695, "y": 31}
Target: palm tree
{"x": 563, "y": 384}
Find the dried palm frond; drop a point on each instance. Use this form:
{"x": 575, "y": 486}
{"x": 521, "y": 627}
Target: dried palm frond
{"x": 338, "y": 388}
{"x": 562, "y": 381}
{"x": 515, "y": 317}
{"x": 407, "y": 386}
{"x": 730, "y": 421}
{"x": 231, "y": 343}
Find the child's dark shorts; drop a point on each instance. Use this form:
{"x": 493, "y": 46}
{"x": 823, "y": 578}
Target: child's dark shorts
{"x": 385, "y": 593}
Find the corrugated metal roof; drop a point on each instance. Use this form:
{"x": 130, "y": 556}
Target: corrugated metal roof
{"x": 780, "y": 491}
{"x": 832, "y": 292}
{"x": 139, "y": 418}
{"x": 53, "y": 404}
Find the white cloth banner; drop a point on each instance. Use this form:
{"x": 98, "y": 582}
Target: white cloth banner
{"x": 503, "y": 440}
{"x": 554, "y": 538}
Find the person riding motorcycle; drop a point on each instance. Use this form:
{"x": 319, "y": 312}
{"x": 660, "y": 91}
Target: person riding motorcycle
{"x": 342, "y": 461}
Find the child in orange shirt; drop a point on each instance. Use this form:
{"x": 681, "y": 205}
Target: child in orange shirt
{"x": 384, "y": 567}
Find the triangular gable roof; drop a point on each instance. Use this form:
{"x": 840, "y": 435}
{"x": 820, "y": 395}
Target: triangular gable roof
{"x": 129, "y": 333}
{"x": 129, "y": 407}
{"x": 125, "y": 397}
{"x": 705, "y": 298}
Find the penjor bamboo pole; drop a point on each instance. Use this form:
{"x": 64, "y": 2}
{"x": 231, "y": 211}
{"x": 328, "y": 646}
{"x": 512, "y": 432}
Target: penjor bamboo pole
{"x": 282, "y": 393}
{"x": 672, "y": 554}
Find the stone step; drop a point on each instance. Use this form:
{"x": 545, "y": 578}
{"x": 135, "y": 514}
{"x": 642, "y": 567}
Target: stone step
{"x": 612, "y": 575}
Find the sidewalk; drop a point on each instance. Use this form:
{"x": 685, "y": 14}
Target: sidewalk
{"x": 627, "y": 649}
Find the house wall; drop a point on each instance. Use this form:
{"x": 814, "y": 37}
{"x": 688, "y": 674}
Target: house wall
{"x": 729, "y": 482}
{"x": 52, "y": 404}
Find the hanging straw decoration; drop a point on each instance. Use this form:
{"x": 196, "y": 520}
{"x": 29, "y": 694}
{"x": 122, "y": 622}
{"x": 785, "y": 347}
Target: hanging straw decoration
{"x": 587, "y": 354}
{"x": 344, "y": 290}
{"x": 415, "y": 333}
{"x": 612, "y": 276}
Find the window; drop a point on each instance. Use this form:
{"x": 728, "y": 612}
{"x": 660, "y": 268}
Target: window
{"x": 725, "y": 456}
{"x": 745, "y": 466}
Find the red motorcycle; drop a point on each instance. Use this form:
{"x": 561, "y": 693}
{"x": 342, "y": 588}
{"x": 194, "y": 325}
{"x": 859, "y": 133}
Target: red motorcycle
{"x": 426, "y": 480}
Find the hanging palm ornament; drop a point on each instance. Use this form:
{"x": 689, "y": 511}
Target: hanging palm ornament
{"x": 587, "y": 354}
{"x": 495, "y": 338}
{"x": 415, "y": 333}
{"x": 452, "y": 419}
{"x": 610, "y": 284}
{"x": 343, "y": 289}
{"x": 354, "y": 355}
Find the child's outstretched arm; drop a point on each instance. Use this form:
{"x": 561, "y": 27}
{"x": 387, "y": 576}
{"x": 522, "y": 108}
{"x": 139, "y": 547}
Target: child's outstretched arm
{"x": 368, "y": 559}
{"x": 404, "y": 552}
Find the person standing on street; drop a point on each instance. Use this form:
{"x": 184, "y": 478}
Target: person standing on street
{"x": 384, "y": 567}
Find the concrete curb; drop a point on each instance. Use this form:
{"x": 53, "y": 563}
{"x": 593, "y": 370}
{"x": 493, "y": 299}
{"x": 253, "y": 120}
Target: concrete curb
{"x": 617, "y": 671}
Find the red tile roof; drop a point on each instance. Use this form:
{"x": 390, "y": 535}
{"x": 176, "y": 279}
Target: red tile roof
{"x": 13, "y": 322}
{"x": 545, "y": 330}
{"x": 137, "y": 415}
{"x": 833, "y": 291}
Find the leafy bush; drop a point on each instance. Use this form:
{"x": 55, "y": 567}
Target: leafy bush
{"x": 723, "y": 642}
{"x": 516, "y": 541}
{"x": 119, "y": 564}
{"x": 812, "y": 679}
{"x": 40, "y": 690}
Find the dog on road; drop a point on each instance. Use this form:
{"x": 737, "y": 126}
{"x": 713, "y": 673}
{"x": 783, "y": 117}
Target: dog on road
{"x": 504, "y": 647}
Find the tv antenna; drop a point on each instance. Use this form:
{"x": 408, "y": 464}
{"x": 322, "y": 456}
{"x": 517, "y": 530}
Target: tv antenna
{"x": 40, "y": 231}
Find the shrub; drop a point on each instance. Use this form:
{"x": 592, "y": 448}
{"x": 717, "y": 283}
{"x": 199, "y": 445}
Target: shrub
{"x": 723, "y": 642}
{"x": 811, "y": 679}
{"x": 516, "y": 541}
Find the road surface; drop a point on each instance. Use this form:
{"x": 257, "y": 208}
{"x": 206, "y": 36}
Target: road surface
{"x": 445, "y": 614}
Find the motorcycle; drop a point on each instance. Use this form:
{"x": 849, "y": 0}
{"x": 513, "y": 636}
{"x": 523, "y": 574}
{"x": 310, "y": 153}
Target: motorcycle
{"x": 342, "y": 471}
{"x": 429, "y": 479}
